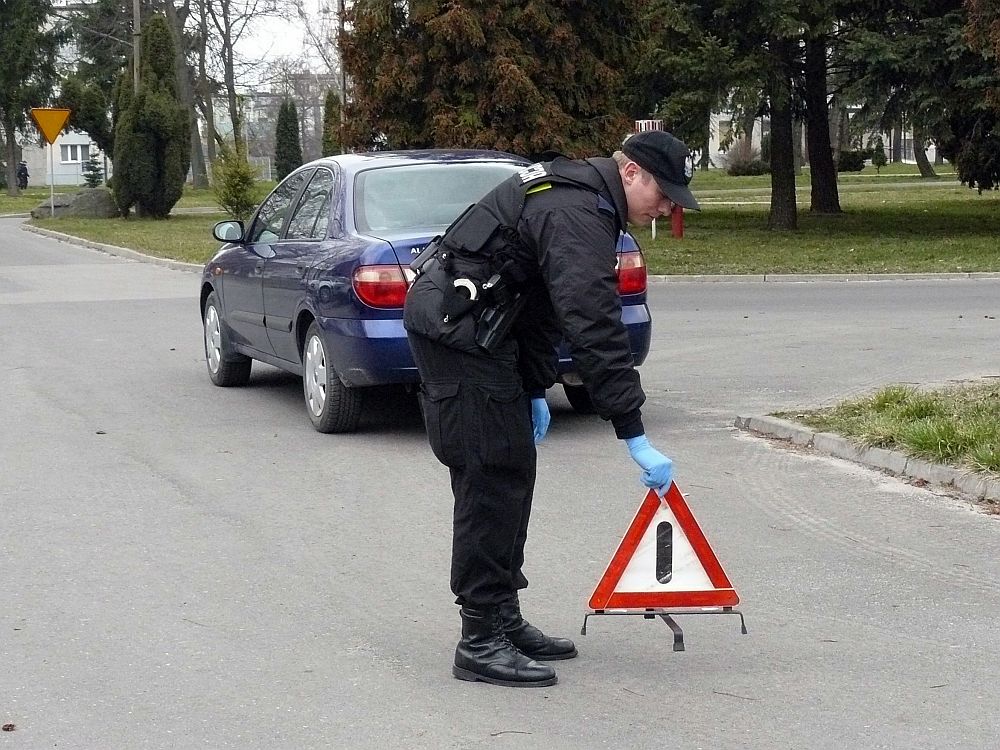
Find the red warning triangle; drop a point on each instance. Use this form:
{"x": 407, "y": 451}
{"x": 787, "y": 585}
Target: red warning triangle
{"x": 664, "y": 560}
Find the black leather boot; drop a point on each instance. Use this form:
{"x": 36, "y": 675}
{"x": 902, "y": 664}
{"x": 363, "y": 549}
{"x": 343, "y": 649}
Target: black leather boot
{"x": 485, "y": 654}
{"x": 528, "y": 639}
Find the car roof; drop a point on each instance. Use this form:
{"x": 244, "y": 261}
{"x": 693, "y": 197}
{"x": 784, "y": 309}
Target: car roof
{"x": 375, "y": 159}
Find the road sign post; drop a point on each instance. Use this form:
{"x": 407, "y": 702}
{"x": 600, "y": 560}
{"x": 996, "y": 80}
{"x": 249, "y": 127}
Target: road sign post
{"x": 50, "y": 121}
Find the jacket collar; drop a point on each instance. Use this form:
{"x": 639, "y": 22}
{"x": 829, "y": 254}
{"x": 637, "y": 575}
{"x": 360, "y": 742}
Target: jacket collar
{"x": 608, "y": 169}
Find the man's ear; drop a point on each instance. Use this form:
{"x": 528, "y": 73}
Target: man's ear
{"x": 630, "y": 172}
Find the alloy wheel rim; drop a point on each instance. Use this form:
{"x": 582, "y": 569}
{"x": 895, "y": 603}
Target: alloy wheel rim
{"x": 213, "y": 339}
{"x": 315, "y": 376}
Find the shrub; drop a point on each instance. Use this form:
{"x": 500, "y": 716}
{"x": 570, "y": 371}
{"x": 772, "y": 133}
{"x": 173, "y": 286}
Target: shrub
{"x": 743, "y": 159}
{"x": 878, "y": 153}
{"x": 851, "y": 161}
{"x": 235, "y": 184}
{"x": 978, "y": 162}
{"x": 753, "y": 168}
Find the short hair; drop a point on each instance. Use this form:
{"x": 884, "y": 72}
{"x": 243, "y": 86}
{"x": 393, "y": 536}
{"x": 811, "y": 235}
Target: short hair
{"x": 620, "y": 158}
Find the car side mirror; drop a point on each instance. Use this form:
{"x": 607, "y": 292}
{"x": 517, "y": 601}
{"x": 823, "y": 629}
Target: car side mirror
{"x": 228, "y": 231}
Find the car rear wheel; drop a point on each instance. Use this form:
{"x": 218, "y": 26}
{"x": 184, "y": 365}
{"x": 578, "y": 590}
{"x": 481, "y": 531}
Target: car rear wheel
{"x": 579, "y": 399}
{"x": 332, "y": 406}
{"x": 226, "y": 367}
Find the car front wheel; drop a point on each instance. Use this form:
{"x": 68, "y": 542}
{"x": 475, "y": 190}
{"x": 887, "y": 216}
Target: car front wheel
{"x": 226, "y": 367}
{"x": 332, "y": 406}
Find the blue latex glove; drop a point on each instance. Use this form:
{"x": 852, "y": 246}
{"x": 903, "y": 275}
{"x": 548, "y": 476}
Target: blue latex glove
{"x": 540, "y": 418}
{"x": 657, "y": 468}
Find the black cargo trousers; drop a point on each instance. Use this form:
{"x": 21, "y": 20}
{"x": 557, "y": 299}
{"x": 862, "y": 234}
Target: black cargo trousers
{"x": 478, "y": 421}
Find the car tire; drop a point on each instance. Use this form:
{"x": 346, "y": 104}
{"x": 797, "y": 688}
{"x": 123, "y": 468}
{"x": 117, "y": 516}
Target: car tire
{"x": 579, "y": 399}
{"x": 331, "y": 405}
{"x": 226, "y": 367}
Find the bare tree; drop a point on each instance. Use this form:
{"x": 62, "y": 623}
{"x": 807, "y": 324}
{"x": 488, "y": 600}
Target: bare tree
{"x": 229, "y": 21}
{"x": 291, "y": 78}
{"x": 178, "y": 16}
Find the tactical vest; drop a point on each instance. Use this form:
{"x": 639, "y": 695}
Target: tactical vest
{"x": 485, "y": 228}
{"x": 479, "y": 263}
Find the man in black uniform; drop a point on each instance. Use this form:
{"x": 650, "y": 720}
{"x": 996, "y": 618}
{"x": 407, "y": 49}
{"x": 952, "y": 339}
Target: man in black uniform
{"x": 532, "y": 262}
{"x": 22, "y": 175}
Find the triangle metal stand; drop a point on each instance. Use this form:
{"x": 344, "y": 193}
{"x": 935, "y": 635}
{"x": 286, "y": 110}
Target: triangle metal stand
{"x": 668, "y": 617}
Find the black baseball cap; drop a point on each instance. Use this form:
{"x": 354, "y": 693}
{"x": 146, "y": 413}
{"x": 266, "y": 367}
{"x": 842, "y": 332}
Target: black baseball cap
{"x": 668, "y": 159}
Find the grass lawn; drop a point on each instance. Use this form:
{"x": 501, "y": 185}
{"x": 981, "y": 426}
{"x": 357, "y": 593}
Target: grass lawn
{"x": 959, "y": 425}
{"x": 927, "y": 228}
{"x": 205, "y": 197}
{"x": 27, "y": 200}
{"x": 186, "y": 237}
{"x": 887, "y": 227}
{"x": 717, "y": 179}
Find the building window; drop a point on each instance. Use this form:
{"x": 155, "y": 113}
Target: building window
{"x": 74, "y": 154}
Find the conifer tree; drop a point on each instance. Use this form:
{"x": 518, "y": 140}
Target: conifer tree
{"x": 93, "y": 172}
{"x": 152, "y": 146}
{"x": 331, "y": 124}
{"x": 28, "y": 45}
{"x": 287, "y": 147}
{"x": 520, "y": 77}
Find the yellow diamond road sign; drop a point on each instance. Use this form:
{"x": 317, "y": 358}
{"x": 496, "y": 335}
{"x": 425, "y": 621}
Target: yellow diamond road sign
{"x": 50, "y": 121}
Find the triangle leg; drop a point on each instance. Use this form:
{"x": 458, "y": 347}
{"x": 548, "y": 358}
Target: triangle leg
{"x": 678, "y": 633}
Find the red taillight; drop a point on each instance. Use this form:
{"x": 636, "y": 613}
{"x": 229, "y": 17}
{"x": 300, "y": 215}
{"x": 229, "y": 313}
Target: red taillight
{"x": 380, "y": 286}
{"x": 631, "y": 273}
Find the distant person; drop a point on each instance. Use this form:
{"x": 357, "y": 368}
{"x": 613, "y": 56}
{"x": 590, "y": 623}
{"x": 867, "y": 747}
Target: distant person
{"x": 22, "y": 175}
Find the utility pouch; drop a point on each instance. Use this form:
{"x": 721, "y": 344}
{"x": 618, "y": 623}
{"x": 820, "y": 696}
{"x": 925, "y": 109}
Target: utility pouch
{"x": 472, "y": 231}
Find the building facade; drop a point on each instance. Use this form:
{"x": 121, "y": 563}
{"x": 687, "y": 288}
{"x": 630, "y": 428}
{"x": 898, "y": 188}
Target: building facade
{"x": 71, "y": 151}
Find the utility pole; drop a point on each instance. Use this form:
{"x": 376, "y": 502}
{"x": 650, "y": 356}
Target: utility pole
{"x": 343, "y": 73}
{"x": 136, "y": 44}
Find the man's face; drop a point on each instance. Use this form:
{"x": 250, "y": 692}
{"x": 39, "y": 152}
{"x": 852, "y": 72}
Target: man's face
{"x": 643, "y": 196}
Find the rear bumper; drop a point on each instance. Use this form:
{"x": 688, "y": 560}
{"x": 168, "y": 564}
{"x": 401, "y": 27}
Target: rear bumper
{"x": 369, "y": 352}
{"x": 375, "y": 352}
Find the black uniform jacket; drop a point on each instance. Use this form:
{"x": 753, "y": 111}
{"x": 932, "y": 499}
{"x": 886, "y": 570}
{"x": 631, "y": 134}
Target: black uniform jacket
{"x": 563, "y": 248}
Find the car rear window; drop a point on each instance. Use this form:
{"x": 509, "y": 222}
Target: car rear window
{"x": 422, "y": 197}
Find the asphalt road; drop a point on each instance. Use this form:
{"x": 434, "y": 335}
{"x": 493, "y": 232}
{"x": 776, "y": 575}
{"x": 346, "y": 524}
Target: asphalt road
{"x": 185, "y": 566}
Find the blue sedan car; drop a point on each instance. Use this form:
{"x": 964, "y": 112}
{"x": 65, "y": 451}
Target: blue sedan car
{"x": 315, "y": 284}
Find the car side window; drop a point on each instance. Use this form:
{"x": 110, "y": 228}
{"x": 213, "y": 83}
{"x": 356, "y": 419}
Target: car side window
{"x": 312, "y": 215}
{"x": 267, "y": 226}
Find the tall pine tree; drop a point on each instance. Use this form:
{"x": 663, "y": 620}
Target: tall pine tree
{"x": 287, "y": 147}
{"x": 521, "y": 77}
{"x": 331, "y": 124}
{"x": 152, "y": 148}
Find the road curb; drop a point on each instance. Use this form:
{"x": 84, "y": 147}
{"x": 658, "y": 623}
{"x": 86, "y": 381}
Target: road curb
{"x": 894, "y": 462}
{"x": 121, "y": 252}
{"x": 125, "y": 252}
